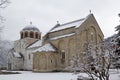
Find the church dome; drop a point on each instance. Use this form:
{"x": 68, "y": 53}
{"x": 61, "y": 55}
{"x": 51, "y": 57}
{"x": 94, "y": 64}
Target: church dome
{"x": 30, "y": 31}
{"x": 30, "y": 28}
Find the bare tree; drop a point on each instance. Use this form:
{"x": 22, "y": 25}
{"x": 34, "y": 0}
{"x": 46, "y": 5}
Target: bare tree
{"x": 3, "y": 4}
{"x": 97, "y": 61}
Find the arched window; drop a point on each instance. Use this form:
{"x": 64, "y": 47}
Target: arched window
{"x": 21, "y": 35}
{"x": 36, "y": 35}
{"x": 31, "y": 34}
{"x": 26, "y": 34}
{"x": 92, "y": 38}
{"x": 62, "y": 56}
{"x": 29, "y": 56}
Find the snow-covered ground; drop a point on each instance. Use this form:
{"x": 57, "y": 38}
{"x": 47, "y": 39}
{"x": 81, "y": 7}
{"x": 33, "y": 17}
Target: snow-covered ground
{"x": 114, "y": 75}
{"x": 28, "y": 75}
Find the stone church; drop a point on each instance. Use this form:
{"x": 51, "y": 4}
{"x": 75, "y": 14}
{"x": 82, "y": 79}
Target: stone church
{"x": 56, "y": 48}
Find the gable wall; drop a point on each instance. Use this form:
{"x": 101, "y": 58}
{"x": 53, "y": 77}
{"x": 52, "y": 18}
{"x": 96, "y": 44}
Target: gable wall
{"x": 90, "y": 32}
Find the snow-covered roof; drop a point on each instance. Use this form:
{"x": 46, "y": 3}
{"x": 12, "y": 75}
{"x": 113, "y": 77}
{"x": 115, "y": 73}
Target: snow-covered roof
{"x": 30, "y": 28}
{"x": 75, "y": 23}
{"x": 45, "y": 48}
{"x": 36, "y": 44}
{"x": 16, "y": 54}
{"x": 58, "y": 37}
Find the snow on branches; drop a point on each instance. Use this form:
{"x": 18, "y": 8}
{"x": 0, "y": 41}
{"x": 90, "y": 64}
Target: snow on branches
{"x": 3, "y": 4}
{"x": 96, "y": 61}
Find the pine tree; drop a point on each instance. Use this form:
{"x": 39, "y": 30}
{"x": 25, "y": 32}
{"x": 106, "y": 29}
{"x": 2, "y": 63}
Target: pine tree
{"x": 118, "y": 28}
{"x": 117, "y": 51}
{"x": 118, "y": 34}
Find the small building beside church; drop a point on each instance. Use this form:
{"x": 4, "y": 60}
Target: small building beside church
{"x": 20, "y": 56}
{"x": 57, "y": 47}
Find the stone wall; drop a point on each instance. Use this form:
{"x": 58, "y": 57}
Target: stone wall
{"x": 44, "y": 61}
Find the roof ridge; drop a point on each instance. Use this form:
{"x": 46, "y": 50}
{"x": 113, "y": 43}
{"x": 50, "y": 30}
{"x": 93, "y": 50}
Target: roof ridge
{"x": 59, "y": 25}
{"x": 72, "y": 21}
{"x": 45, "y": 47}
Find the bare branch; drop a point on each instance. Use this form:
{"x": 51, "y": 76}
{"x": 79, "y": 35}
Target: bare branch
{"x": 96, "y": 63}
{"x": 4, "y": 3}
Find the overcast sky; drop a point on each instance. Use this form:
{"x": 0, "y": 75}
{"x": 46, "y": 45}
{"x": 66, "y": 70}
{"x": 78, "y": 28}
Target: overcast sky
{"x": 44, "y": 14}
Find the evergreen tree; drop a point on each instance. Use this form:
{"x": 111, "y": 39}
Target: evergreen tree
{"x": 118, "y": 28}
{"x": 117, "y": 51}
{"x": 118, "y": 34}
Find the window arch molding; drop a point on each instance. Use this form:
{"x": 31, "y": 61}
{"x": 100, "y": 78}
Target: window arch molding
{"x": 26, "y": 34}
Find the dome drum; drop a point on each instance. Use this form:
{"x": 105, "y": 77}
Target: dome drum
{"x": 31, "y": 32}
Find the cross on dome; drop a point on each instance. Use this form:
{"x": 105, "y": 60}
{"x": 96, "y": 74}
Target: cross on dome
{"x": 30, "y": 22}
{"x": 57, "y": 22}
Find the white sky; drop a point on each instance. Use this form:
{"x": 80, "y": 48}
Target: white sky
{"x": 44, "y": 14}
